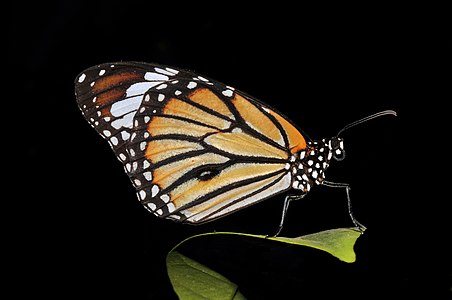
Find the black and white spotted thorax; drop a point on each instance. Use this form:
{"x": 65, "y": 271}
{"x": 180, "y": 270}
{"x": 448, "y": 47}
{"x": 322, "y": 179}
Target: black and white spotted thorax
{"x": 309, "y": 165}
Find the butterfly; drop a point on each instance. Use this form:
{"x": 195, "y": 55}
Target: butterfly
{"x": 196, "y": 149}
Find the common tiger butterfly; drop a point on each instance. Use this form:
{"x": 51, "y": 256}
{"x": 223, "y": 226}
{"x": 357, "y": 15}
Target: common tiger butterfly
{"x": 196, "y": 149}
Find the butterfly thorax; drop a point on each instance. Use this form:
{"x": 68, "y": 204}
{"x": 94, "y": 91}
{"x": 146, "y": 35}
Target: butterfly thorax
{"x": 310, "y": 164}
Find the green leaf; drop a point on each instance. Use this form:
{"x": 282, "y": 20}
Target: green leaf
{"x": 192, "y": 280}
{"x": 338, "y": 242}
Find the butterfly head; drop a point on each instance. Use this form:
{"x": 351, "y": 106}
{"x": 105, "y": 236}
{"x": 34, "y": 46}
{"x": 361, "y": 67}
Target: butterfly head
{"x": 336, "y": 147}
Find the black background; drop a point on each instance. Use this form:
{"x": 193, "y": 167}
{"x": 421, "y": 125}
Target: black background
{"x": 83, "y": 233}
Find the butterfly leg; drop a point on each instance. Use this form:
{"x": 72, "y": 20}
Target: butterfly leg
{"x": 285, "y": 208}
{"x": 360, "y": 226}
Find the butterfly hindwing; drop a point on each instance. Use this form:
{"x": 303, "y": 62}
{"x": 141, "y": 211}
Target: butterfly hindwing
{"x": 203, "y": 150}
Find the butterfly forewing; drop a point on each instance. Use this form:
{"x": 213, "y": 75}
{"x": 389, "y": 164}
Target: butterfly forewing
{"x": 109, "y": 96}
{"x": 195, "y": 149}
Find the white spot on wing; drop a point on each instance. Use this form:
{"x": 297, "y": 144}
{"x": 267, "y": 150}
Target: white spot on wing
{"x": 192, "y": 85}
{"x": 147, "y": 176}
{"x": 125, "y": 121}
{"x": 165, "y": 198}
{"x": 140, "y": 88}
{"x": 125, "y": 106}
{"x": 161, "y": 97}
{"x": 151, "y": 76}
{"x": 82, "y": 78}
{"x": 155, "y": 189}
{"x": 163, "y": 71}
{"x": 101, "y": 72}
{"x": 142, "y": 195}
{"x": 142, "y": 146}
{"x": 171, "y": 208}
{"x": 172, "y": 71}
{"x": 227, "y": 93}
{"x": 114, "y": 140}
{"x": 126, "y": 135}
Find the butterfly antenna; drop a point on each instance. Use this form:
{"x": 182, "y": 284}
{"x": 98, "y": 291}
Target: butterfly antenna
{"x": 379, "y": 114}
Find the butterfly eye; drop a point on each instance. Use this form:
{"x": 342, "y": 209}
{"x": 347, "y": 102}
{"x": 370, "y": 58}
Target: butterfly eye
{"x": 207, "y": 173}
